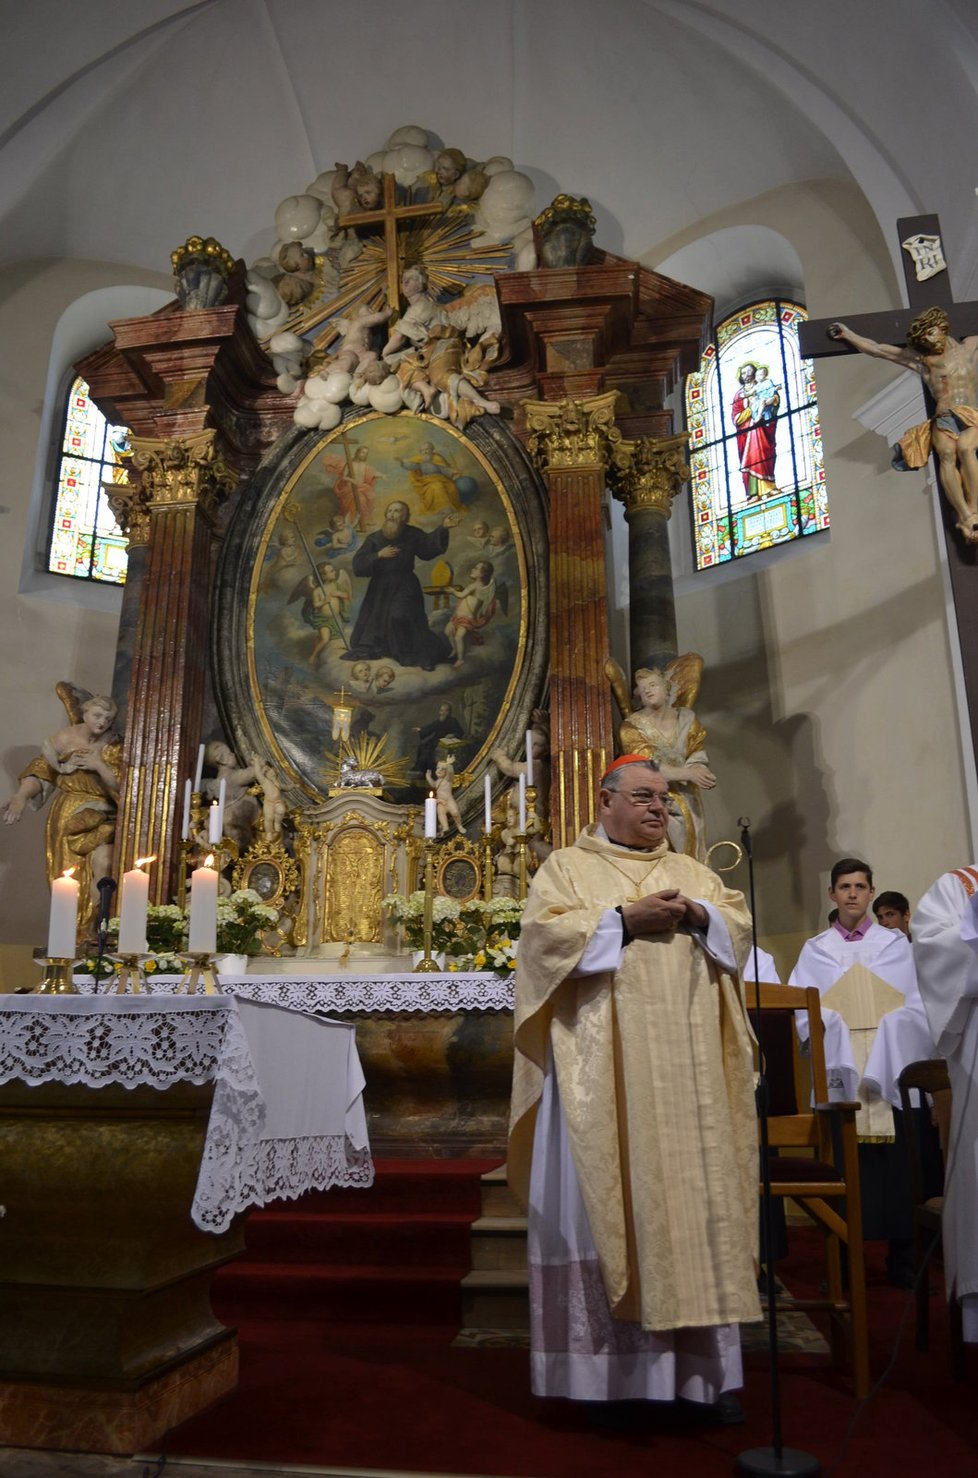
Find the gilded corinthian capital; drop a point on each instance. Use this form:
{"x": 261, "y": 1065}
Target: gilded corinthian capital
{"x": 648, "y": 473}
{"x": 181, "y": 472}
{"x": 572, "y": 433}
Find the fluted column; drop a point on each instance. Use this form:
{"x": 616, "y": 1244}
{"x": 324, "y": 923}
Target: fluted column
{"x": 571, "y": 442}
{"x": 176, "y": 485}
{"x": 646, "y": 476}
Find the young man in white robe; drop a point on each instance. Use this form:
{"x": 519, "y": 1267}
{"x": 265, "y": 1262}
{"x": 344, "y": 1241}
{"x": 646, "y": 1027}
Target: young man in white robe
{"x": 945, "y": 945}
{"x": 855, "y": 939}
{"x": 633, "y": 1134}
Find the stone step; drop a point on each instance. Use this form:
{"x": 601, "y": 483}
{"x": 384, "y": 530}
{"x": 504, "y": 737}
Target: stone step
{"x": 496, "y": 1299}
{"x": 498, "y": 1242}
{"x": 497, "y": 1198}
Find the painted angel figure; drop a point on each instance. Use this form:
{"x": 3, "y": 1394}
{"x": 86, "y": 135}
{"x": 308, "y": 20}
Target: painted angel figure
{"x": 78, "y": 769}
{"x": 475, "y": 605}
{"x": 664, "y": 727}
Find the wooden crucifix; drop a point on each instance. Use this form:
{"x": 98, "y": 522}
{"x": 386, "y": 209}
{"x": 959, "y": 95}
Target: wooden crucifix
{"x": 389, "y": 215}
{"x": 950, "y": 379}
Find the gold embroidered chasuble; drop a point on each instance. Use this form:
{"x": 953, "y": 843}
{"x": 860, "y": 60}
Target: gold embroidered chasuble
{"x": 655, "y": 1068}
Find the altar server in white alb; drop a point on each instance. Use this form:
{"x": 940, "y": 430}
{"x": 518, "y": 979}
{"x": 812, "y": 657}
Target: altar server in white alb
{"x": 633, "y": 1096}
{"x": 854, "y": 939}
{"x": 945, "y": 945}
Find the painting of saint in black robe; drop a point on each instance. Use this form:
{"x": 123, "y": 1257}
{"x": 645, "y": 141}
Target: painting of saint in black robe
{"x": 393, "y": 621}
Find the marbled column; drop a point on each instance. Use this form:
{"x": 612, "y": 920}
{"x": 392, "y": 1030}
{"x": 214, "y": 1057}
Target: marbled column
{"x": 645, "y": 476}
{"x": 570, "y": 441}
{"x": 181, "y": 482}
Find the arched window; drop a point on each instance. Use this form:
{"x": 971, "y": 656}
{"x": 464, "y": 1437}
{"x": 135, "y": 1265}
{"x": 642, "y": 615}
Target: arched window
{"x": 758, "y": 477}
{"x": 85, "y": 540}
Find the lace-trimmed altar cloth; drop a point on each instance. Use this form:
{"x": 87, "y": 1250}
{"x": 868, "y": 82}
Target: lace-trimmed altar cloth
{"x": 473, "y": 991}
{"x": 287, "y": 1114}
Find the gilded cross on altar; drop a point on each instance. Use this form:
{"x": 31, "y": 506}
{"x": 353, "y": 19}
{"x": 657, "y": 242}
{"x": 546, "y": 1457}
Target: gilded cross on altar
{"x": 928, "y": 286}
{"x": 390, "y": 215}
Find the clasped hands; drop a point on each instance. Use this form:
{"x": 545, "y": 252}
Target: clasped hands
{"x": 662, "y": 913}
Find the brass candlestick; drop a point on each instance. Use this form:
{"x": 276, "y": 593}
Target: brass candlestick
{"x": 426, "y": 964}
{"x": 57, "y": 979}
{"x": 487, "y": 866}
{"x": 130, "y": 974}
{"x": 521, "y": 864}
{"x": 199, "y": 974}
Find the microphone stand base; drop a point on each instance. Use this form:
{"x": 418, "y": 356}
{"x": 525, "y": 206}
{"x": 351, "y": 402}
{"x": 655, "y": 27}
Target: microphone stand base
{"x": 760, "y": 1462}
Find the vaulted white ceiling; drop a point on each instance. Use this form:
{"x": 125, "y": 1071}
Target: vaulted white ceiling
{"x": 125, "y": 128}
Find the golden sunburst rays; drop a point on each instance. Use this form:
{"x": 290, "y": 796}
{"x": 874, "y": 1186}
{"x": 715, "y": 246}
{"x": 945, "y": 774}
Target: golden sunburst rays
{"x": 369, "y": 752}
{"x": 447, "y": 247}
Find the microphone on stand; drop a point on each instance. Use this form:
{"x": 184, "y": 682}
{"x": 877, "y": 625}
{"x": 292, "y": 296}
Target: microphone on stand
{"x": 759, "y": 1462}
{"x": 105, "y": 887}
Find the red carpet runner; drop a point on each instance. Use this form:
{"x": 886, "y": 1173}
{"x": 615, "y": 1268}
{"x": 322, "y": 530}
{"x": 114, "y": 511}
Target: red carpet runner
{"x": 347, "y": 1304}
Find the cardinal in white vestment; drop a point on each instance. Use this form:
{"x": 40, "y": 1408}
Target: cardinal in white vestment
{"x": 945, "y": 946}
{"x": 633, "y": 1129}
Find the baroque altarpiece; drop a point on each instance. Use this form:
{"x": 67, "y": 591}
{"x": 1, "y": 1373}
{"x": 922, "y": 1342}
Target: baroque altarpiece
{"x": 421, "y": 345}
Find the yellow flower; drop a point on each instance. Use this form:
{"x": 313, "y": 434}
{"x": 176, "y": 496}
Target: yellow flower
{"x": 149, "y": 967}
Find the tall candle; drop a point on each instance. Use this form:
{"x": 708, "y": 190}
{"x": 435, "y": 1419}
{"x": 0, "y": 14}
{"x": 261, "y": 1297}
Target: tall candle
{"x": 222, "y": 790}
{"x": 203, "y": 910}
{"x": 63, "y": 919}
{"x": 214, "y": 832}
{"x": 529, "y": 756}
{"x": 132, "y": 913}
{"x": 199, "y": 771}
{"x": 488, "y": 796}
{"x": 186, "y": 811}
{"x": 430, "y": 818}
{"x": 522, "y": 802}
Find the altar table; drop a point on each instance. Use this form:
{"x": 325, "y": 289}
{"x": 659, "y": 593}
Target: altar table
{"x": 287, "y": 1114}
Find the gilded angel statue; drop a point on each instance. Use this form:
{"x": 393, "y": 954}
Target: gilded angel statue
{"x": 661, "y": 724}
{"x": 78, "y": 769}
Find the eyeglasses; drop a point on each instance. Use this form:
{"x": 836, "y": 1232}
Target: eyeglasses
{"x": 647, "y": 798}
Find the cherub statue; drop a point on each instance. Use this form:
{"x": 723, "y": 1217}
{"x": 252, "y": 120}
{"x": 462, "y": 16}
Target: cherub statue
{"x": 80, "y": 767}
{"x": 441, "y": 783}
{"x": 663, "y": 727}
{"x": 437, "y": 370}
{"x": 507, "y": 859}
{"x": 273, "y": 804}
{"x": 241, "y": 808}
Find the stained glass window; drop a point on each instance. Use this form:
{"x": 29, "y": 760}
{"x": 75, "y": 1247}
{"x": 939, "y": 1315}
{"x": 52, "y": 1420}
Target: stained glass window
{"x": 758, "y": 477}
{"x": 86, "y": 542}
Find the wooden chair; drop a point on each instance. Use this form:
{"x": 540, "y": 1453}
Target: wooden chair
{"x": 825, "y": 1183}
{"x": 931, "y": 1077}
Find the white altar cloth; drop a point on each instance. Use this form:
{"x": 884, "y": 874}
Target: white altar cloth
{"x": 287, "y": 1114}
{"x": 365, "y": 994}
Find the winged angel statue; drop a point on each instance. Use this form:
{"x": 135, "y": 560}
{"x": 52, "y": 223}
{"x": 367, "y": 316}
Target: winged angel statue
{"x": 660, "y": 723}
{"x": 78, "y": 768}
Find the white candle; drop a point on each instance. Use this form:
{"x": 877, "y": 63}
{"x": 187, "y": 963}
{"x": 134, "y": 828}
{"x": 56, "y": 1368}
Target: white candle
{"x": 203, "y": 910}
{"x": 522, "y": 803}
{"x": 221, "y": 797}
{"x": 430, "y": 818}
{"x": 200, "y": 770}
{"x": 214, "y": 824}
{"x": 132, "y": 913}
{"x": 529, "y": 756}
{"x": 63, "y": 920}
{"x": 488, "y": 795}
{"x": 186, "y": 811}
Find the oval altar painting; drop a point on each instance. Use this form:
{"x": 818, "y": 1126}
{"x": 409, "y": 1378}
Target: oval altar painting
{"x": 391, "y": 580}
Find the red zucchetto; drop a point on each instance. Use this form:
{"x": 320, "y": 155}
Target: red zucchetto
{"x": 625, "y": 759}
